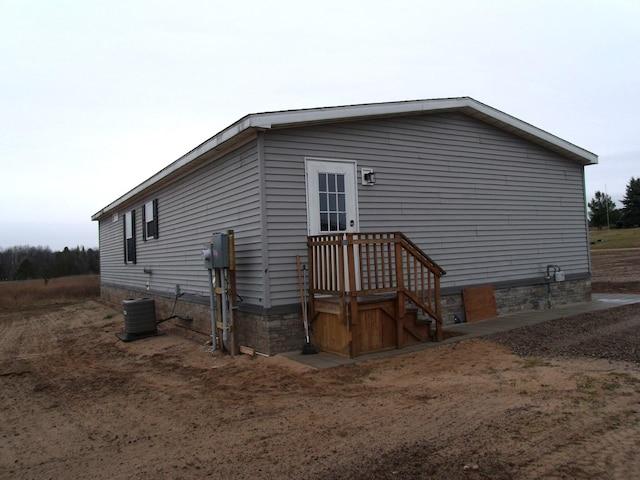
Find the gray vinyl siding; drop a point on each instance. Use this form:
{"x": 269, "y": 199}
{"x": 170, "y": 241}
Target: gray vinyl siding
{"x": 222, "y": 195}
{"x": 486, "y": 205}
{"x": 286, "y": 210}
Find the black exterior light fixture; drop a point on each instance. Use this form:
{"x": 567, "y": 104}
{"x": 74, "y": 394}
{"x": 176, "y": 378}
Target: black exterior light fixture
{"x": 368, "y": 176}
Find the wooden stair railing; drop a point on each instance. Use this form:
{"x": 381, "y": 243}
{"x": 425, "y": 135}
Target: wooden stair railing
{"x": 363, "y": 264}
{"x": 422, "y": 281}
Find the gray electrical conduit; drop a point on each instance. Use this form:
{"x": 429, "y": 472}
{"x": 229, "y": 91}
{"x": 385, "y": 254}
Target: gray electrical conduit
{"x": 173, "y": 315}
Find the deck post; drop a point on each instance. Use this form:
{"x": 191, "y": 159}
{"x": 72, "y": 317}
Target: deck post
{"x": 312, "y": 282}
{"x": 353, "y": 295}
{"x": 439, "y": 334}
{"x": 400, "y": 303}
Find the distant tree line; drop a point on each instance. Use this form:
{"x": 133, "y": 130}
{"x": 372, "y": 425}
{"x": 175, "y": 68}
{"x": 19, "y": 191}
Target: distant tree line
{"x": 23, "y": 262}
{"x": 603, "y": 211}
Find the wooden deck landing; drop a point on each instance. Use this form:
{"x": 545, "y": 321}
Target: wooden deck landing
{"x": 376, "y": 328}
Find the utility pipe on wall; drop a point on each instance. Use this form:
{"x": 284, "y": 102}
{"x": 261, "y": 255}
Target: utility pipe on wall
{"x": 225, "y": 309}
{"x": 557, "y": 275}
{"x": 212, "y": 305}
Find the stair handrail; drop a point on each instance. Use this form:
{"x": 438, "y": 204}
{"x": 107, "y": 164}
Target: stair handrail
{"x": 415, "y": 291}
{"x": 426, "y": 259}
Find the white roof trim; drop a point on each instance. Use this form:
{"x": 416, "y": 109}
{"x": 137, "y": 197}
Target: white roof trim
{"x": 270, "y": 120}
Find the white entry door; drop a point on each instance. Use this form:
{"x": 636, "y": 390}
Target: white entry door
{"x": 332, "y": 205}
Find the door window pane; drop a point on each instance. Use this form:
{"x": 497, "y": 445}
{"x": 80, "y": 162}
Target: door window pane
{"x": 324, "y": 202}
{"x": 342, "y": 222}
{"x": 322, "y": 182}
{"x": 332, "y": 196}
{"x": 331, "y": 182}
{"x": 324, "y": 222}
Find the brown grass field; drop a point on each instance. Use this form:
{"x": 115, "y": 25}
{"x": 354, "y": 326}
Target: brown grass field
{"x": 29, "y": 293}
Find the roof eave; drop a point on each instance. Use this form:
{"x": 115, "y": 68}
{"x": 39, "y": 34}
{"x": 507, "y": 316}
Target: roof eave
{"x": 466, "y": 104}
{"x": 232, "y": 135}
{"x": 222, "y": 141}
{"x": 534, "y": 134}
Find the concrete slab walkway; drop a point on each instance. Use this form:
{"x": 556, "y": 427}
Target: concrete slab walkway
{"x": 599, "y": 301}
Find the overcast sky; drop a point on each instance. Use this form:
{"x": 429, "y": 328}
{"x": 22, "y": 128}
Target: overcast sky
{"x": 97, "y": 96}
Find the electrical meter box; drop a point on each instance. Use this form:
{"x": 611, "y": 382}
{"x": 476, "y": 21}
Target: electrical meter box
{"x": 220, "y": 251}
{"x": 206, "y": 258}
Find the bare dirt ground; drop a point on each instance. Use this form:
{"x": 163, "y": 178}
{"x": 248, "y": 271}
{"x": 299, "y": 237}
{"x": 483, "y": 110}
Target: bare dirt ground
{"x": 561, "y": 400}
{"x": 616, "y": 271}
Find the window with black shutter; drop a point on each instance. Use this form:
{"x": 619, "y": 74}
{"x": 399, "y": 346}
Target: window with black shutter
{"x": 130, "y": 237}
{"x": 150, "y": 220}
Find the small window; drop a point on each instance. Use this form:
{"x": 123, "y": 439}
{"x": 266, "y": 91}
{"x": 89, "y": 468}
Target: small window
{"x": 332, "y": 197}
{"x": 150, "y": 220}
{"x": 130, "y": 237}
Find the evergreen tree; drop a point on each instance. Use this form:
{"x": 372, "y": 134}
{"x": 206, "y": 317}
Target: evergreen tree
{"x": 93, "y": 261}
{"x": 603, "y": 211}
{"x": 25, "y": 270}
{"x": 631, "y": 202}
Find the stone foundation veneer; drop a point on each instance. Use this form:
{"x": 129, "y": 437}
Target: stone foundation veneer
{"x": 269, "y": 334}
{"x": 284, "y": 332}
{"x": 522, "y": 298}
